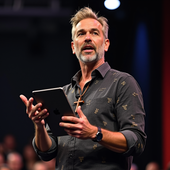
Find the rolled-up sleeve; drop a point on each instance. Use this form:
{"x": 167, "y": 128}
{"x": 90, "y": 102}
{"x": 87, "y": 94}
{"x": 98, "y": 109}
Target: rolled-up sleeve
{"x": 135, "y": 144}
{"x": 51, "y": 153}
{"x": 131, "y": 115}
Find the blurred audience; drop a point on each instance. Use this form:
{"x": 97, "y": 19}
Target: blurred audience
{"x": 2, "y": 151}
{"x": 51, "y": 165}
{"x": 2, "y": 159}
{"x": 9, "y": 143}
{"x": 4, "y": 167}
{"x": 134, "y": 167}
{"x": 152, "y": 166}
{"x": 15, "y": 161}
{"x": 29, "y": 156}
{"x": 11, "y": 159}
{"x": 40, "y": 166}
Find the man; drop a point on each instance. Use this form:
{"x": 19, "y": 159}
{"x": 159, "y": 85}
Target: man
{"x": 4, "y": 167}
{"x": 40, "y": 166}
{"x": 134, "y": 167}
{"x": 152, "y": 166}
{"x": 9, "y": 143}
{"x": 14, "y": 161}
{"x": 109, "y": 128}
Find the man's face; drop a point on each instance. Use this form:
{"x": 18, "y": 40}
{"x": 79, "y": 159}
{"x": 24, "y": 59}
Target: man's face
{"x": 89, "y": 43}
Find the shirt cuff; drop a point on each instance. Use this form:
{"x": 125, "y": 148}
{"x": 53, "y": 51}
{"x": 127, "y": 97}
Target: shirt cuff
{"x": 131, "y": 139}
{"x": 47, "y": 155}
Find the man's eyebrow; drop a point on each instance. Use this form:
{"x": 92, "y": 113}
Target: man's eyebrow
{"x": 81, "y": 30}
{"x": 95, "y": 29}
{"x": 92, "y": 29}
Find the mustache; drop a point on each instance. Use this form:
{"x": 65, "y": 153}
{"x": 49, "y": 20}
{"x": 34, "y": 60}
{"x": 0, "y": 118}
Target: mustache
{"x": 87, "y": 44}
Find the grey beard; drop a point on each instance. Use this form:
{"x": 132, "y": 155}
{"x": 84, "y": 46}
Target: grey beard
{"x": 90, "y": 59}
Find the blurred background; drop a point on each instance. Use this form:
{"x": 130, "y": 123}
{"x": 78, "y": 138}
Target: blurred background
{"x": 35, "y": 53}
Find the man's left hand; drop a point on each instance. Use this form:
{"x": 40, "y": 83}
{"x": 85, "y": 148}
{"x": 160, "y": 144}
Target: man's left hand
{"x": 80, "y": 128}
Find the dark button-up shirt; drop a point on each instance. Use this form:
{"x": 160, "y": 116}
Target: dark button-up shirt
{"x": 114, "y": 102}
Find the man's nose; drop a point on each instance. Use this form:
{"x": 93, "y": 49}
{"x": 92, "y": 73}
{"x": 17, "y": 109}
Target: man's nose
{"x": 88, "y": 37}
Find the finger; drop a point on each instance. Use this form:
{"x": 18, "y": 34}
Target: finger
{"x": 29, "y": 105}
{"x": 73, "y": 131}
{"x": 45, "y": 115}
{"x": 80, "y": 113}
{"x": 42, "y": 115}
{"x": 70, "y": 125}
{"x": 24, "y": 99}
{"x": 39, "y": 121}
{"x": 71, "y": 119}
{"x": 33, "y": 111}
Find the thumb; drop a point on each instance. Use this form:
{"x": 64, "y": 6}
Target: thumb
{"x": 80, "y": 113}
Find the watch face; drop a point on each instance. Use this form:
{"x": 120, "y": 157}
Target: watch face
{"x": 99, "y": 136}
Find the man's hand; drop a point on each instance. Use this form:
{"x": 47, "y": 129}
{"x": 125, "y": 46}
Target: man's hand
{"x": 42, "y": 140}
{"x": 34, "y": 112}
{"x": 80, "y": 128}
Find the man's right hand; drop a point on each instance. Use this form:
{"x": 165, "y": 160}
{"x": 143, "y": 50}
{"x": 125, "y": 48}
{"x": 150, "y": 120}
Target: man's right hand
{"x": 34, "y": 112}
{"x": 42, "y": 139}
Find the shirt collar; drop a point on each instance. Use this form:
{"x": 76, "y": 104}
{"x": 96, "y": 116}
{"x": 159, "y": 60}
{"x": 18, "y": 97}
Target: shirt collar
{"x": 102, "y": 70}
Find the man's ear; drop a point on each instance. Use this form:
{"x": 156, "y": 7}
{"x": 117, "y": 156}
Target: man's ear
{"x": 72, "y": 46}
{"x": 107, "y": 44}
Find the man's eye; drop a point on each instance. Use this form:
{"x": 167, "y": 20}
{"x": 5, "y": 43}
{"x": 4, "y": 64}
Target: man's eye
{"x": 95, "y": 33}
{"x": 79, "y": 34}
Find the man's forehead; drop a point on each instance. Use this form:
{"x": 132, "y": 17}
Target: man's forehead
{"x": 88, "y": 23}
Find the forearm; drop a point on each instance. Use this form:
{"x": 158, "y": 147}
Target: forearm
{"x": 42, "y": 139}
{"x": 114, "y": 141}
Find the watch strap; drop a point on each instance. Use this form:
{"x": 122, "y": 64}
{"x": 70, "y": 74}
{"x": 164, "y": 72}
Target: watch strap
{"x": 99, "y": 135}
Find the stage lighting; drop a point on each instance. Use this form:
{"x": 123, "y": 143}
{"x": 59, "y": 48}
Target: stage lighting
{"x": 111, "y": 4}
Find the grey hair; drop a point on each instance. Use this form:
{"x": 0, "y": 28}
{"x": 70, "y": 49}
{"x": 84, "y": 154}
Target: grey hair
{"x": 87, "y": 12}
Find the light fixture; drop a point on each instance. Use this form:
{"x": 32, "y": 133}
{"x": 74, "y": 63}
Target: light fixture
{"x": 111, "y": 4}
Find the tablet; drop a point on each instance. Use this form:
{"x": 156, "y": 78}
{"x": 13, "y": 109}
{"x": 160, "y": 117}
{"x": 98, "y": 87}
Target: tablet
{"x": 57, "y": 104}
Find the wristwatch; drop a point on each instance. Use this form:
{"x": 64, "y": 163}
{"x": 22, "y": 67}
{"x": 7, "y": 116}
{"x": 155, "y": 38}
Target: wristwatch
{"x": 99, "y": 135}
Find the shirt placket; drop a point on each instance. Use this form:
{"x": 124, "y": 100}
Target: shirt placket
{"x": 71, "y": 154}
